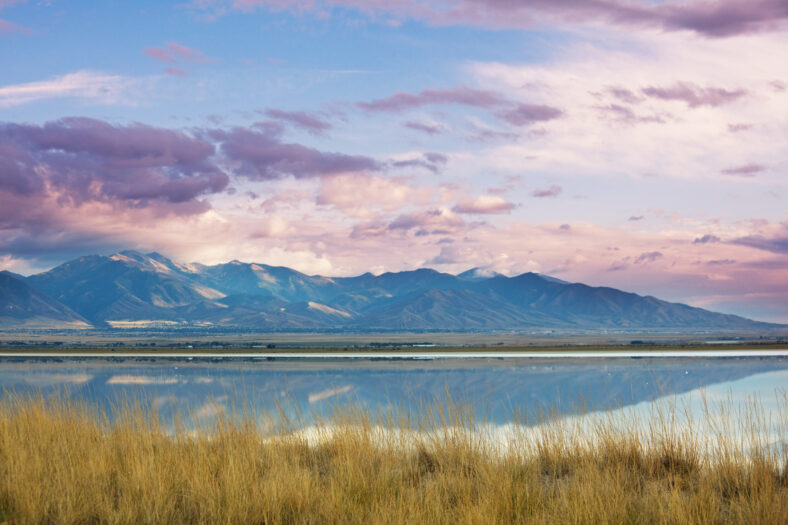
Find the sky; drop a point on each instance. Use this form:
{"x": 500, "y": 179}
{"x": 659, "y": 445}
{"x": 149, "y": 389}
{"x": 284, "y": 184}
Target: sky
{"x": 628, "y": 143}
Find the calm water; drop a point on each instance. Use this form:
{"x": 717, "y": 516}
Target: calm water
{"x": 497, "y": 388}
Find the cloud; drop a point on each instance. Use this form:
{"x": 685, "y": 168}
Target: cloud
{"x": 174, "y": 51}
{"x": 301, "y": 119}
{"x": 9, "y": 27}
{"x": 624, "y": 95}
{"x": 708, "y": 238}
{"x": 626, "y": 115}
{"x": 175, "y": 71}
{"x": 462, "y": 95}
{"x": 746, "y": 170}
{"x": 648, "y": 257}
{"x": 617, "y": 267}
{"x": 188, "y": 53}
{"x": 360, "y": 194}
{"x": 695, "y": 96}
{"x": 484, "y": 204}
{"x": 84, "y": 159}
{"x": 634, "y": 218}
{"x": 773, "y": 244}
{"x": 553, "y": 191}
{"x": 514, "y": 113}
{"x": 158, "y": 53}
{"x": 430, "y": 161}
{"x": 429, "y": 129}
{"x": 662, "y": 136}
{"x": 736, "y": 128}
{"x": 90, "y": 85}
{"x": 258, "y": 154}
{"x": 722, "y": 18}
{"x": 430, "y": 222}
{"x": 526, "y": 114}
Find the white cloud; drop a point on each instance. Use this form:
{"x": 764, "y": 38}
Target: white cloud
{"x": 94, "y": 86}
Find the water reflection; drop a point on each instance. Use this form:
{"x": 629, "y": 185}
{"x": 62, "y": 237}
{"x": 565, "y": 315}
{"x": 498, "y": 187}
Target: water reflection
{"x": 496, "y": 389}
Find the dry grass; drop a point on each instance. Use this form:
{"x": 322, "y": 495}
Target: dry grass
{"x": 63, "y": 462}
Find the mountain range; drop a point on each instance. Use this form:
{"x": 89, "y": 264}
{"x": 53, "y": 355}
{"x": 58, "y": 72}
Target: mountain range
{"x": 131, "y": 289}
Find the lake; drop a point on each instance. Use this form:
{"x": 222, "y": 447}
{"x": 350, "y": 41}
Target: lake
{"x": 501, "y": 387}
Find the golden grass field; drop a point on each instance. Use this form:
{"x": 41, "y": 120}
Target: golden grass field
{"x": 64, "y": 462}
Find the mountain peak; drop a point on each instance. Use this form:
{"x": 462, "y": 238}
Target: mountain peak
{"x": 476, "y": 274}
{"x": 132, "y": 286}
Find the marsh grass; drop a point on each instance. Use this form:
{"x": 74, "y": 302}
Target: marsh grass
{"x": 63, "y": 461}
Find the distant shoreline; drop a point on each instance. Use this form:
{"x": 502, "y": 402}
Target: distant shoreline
{"x": 404, "y": 355}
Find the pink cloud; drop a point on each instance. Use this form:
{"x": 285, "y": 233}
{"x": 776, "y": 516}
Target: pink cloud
{"x": 695, "y": 96}
{"x": 485, "y": 204}
{"x": 174, "y": 51}
{"x": 175, "y": 71}
{"x": 159, "y": 54}
{"x": 188, "y": 53}
{"x": 9, "y": 27}
{"x": 364, "y": 195}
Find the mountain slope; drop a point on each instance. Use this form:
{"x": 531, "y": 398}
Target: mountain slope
{"x": 125, "y": 286}
{"x": 21, "y": 306}
{"x": 130, "y": 287}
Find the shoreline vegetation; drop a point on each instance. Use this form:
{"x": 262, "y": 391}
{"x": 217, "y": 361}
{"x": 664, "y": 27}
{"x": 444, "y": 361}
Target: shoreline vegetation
{"x": 373, "y": 350}
{"x": 63, "y": 461}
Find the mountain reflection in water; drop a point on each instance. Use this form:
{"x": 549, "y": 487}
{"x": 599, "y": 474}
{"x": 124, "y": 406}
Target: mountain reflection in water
{"x": 496, "y": 389}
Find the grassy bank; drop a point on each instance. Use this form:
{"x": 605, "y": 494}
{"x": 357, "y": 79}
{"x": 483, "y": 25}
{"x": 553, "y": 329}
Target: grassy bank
{"x": 62, "y": 462}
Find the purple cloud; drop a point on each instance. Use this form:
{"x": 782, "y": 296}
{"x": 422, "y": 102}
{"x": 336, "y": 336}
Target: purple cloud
{"x": 634, "y": 218}
{"x": 716, "y": 19}
{"x": 617, "y": 267}
{"x": 300, "y": 119}
{"x": 552, "y": 191}
{"x": 624, "y": 95}
{"x": 86, "y": 159}
{"x": 648, "y": 257}
{"x": 526, "y": 114}
{"x": 429, "y": 129}
{"x": 429, "y": 222}
{"x": 736, "y": 128}
{"x": 261, "y": 156}
{"x": 625, "y": 115}
{"x": 746, "y": 170}
{"x": 694, "y": 96}
{"x": 774, "y": 244}
{"x": 462, "y": 95}
{"x": 720, "y": 262}
{"x": 430, "y": 161}
{"x": 708, "y": 238}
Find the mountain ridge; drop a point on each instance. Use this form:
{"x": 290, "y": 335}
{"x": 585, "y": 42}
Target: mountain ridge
{"x": 131, "y": 288}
